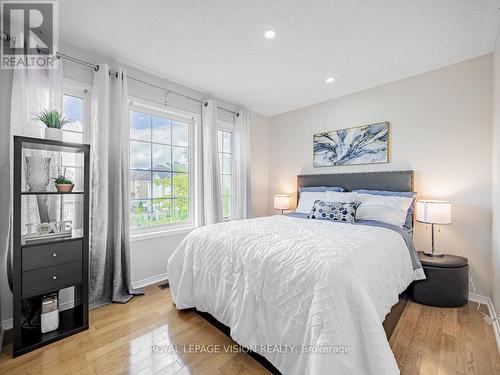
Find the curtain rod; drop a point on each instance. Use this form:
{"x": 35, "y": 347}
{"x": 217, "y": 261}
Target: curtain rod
{"x": 60, "y": 55}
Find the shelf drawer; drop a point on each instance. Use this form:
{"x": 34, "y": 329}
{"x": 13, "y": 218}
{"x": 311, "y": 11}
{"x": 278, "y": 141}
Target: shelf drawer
{"x": 51, "y": 279}
{"x": 41, "y": 256}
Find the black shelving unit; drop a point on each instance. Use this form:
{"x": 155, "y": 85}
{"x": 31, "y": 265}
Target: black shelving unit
{"x": 45, "y": 266}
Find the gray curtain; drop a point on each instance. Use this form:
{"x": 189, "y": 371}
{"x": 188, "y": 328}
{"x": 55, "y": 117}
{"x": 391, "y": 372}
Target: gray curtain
{"x": 31, "y": 90}
{"x": 242, "y": 197}
{"x": 5, "y": 197}
{"x": 212, "y": 201}
{"x": 109, "y": 212}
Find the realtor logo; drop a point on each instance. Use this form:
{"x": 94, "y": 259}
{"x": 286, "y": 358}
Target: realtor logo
{"x": 29, "y": 34}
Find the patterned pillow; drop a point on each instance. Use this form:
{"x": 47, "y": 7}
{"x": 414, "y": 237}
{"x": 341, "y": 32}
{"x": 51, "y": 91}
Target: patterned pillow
{"x": 334, "y": 211}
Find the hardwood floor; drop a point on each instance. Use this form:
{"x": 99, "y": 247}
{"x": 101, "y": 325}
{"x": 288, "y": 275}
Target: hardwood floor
{"x": 426, "y": 341}
{"x": 431, "y": 340}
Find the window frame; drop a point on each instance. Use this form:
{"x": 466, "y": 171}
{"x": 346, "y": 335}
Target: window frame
{"x": 82, "y": 91}
{"x": 79, "y": 90}
{"x": 228, "y": 127}
{"x": 160, "y": 110}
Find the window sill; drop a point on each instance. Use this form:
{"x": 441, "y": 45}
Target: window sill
{"x": 138, "y": 235}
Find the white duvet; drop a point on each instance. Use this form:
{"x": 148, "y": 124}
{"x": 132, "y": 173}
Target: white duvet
{"x": 293, "y": 289}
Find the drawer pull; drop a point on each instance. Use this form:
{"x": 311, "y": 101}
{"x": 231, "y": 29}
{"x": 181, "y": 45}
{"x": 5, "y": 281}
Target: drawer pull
{"x": 54, "y": 277}
{"x": 54, "y": 255}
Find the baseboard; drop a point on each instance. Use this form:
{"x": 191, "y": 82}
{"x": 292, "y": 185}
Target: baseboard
{"x": 479, "y": 298}
{"x": 496, "y": 329}
{"x": 150, "y": 280}
{"x": 491, "y": 311}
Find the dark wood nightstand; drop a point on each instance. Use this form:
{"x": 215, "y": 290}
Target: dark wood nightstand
{"x": 447, "y": 283}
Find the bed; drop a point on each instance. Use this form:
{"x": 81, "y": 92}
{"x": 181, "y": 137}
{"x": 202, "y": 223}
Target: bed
{"x": 309, "y": 296}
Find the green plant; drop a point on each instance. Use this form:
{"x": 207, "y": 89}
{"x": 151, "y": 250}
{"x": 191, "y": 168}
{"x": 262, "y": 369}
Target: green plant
{"x": 52, "y": 118}
{"x": 61, "y": 180}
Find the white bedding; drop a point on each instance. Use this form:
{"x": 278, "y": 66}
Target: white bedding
{"x": 288, "y": 281}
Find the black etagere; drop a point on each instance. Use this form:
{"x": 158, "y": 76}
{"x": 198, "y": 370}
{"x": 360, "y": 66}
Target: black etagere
{"x": 46, "y": 265}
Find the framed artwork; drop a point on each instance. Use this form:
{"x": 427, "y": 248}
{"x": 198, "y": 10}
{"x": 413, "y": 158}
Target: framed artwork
{"x": 368, "y": 144}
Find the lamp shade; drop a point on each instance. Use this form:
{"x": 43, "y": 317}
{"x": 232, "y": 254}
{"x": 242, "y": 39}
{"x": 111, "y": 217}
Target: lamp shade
{"x": 433, "y": 212}
{"x": 282, "y": 202}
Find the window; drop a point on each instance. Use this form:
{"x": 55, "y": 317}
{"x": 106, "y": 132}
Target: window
{"x": 75, "y": 107}
{"x": 160, "y": 169}
{"x": 225, "y": 141}
{"x": 73, "y": 110}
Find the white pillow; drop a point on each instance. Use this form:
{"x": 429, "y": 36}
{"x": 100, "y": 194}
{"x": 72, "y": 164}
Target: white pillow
{"x": 386, "y": 209}
{"x": 334, "y": 196}
{"x": 307, "y": 199}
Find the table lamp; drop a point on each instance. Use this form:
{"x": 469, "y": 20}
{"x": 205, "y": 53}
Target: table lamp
{"x": 435, "y": 213}
{"x": 282, "y": 202}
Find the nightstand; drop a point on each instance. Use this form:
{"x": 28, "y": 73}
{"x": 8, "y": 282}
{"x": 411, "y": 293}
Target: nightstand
{"x": 447, "y": 283}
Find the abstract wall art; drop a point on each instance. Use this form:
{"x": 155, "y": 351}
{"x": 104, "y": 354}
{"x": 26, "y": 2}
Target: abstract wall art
{"x": 367, "y": 144}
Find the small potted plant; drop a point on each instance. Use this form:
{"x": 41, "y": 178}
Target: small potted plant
{"x": 54, "y": 122}
{"x": 63, "y": 185}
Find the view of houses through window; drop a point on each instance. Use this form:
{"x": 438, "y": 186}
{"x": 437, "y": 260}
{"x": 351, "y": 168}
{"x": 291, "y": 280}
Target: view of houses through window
{"x": 159, "y": 170}
{"x": 160, "y": 180}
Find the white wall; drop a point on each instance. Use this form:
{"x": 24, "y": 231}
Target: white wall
{"x": 259, "y": 133}
{"x": 495, "y": 256}
{"x": 148, "y": 257}
{"x": 441, "y": 124}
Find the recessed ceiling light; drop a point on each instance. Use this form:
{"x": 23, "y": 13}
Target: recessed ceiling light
{"x": 329, "y": 80}
{"x": 270, "y": 34}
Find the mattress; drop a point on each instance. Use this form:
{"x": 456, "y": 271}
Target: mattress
{"x": 308, "y": 295}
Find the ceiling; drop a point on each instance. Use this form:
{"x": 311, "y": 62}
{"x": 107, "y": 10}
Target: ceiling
{"x": 218, "y": 46}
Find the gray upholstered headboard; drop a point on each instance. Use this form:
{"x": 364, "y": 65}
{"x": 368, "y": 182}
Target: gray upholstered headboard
{"x": 391, "y": 180}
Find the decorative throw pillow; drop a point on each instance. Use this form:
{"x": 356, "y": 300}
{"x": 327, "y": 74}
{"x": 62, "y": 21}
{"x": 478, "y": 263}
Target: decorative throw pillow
{"x": 334, "y": 211}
